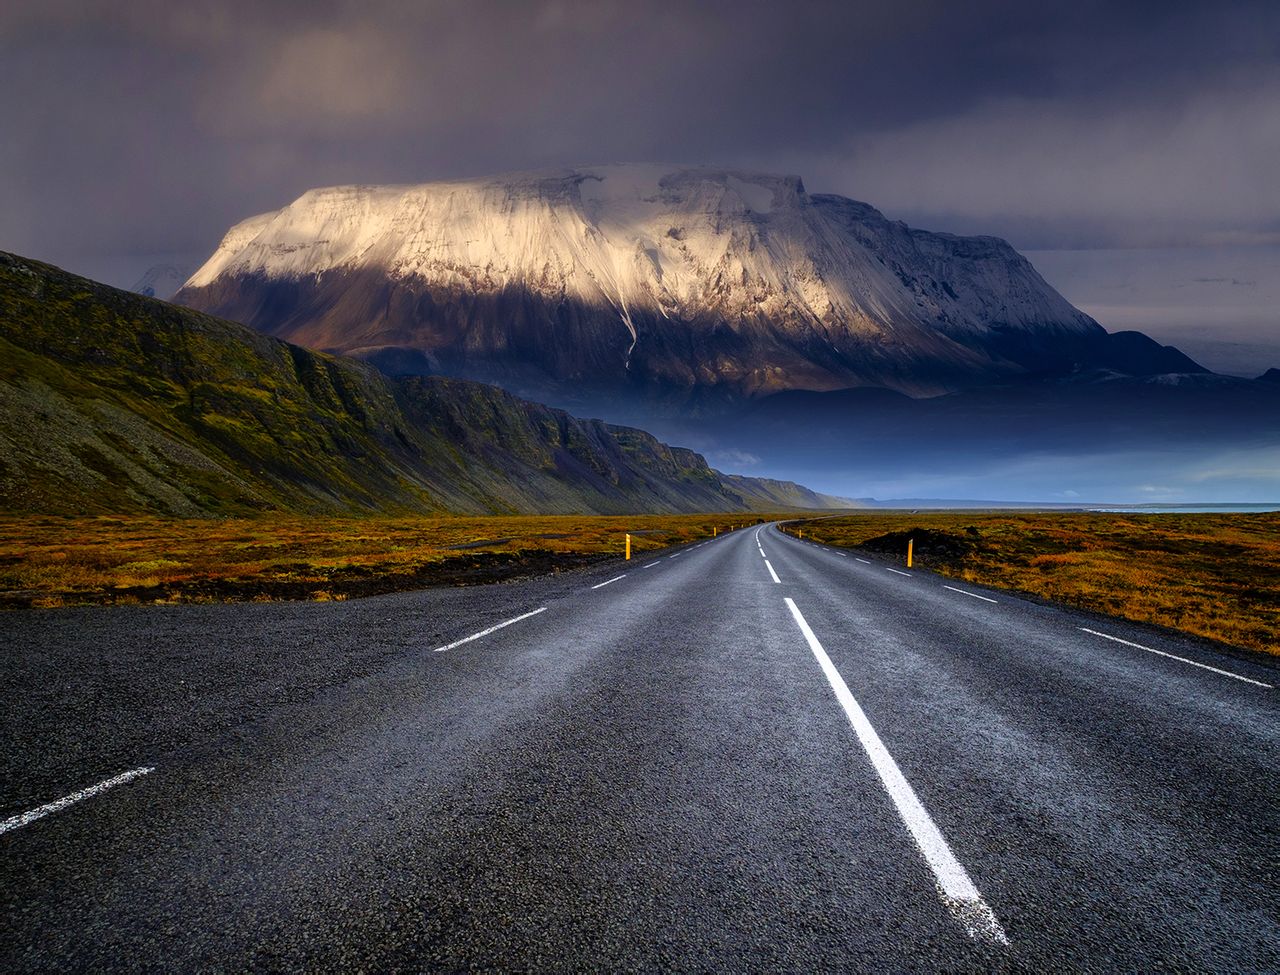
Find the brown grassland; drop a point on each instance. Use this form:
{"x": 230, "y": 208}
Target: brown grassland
{"x": 1213, "y": 575}
{"x": 55, "y": 561}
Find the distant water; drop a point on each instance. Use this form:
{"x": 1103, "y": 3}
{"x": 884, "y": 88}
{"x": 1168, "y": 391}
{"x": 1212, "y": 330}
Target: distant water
{"x": 1169, "y": 509}
{"x": 940, "y": 504}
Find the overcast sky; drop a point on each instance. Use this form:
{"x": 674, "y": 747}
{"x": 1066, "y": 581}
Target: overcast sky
{"x": 140, "y": 128}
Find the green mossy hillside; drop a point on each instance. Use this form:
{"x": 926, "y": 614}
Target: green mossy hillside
{"x": 111, "y": 402}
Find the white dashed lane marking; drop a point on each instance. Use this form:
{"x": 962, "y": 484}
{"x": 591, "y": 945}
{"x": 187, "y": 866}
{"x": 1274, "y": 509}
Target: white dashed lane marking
{"x": 609, "y": 582}
{"x": 1174, "y": 656}
{"x": 14, "y": 822}
{"x": 965, "y": 592}
{"x": 492, "y": 629}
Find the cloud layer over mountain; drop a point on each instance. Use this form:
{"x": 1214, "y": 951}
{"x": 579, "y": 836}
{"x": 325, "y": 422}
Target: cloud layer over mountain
{"x": 147, "y": 128}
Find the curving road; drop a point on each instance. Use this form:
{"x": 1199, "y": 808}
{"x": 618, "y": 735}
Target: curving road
{"x": 751, "y": 753}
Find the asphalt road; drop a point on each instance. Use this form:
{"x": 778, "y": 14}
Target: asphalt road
{"x": 673, "y": 763}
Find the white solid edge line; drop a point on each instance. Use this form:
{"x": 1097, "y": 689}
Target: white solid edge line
{"x": 965, "y": 592}
{"x": 651, "y": 564}
{"x": 13, "y": 822}
{"x": 609, "y": 582}
{"x": 496, "y": 626}
{"x": 863, "y": 561}
{"x": 1174, "y": 656}
{"x": 899, "y": 571}
{"x": 769, "y": 566}
{"x": 955, "y": 889}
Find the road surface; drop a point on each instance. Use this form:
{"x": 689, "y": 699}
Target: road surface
{"x": 750, "y": 753}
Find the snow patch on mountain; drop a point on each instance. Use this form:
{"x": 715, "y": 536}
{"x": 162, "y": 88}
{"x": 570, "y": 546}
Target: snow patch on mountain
{"x": 814, "y": 290}
{"x": 652, "y": 237}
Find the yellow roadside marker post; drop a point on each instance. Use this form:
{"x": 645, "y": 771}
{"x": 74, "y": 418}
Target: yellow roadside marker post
{"x": 911, "y": 543}
{"x": 628, "y": 547}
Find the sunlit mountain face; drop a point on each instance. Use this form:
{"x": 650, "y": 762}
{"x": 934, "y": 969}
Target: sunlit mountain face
{"x": 688, "y": 284}
{"x": 737, "y": 312}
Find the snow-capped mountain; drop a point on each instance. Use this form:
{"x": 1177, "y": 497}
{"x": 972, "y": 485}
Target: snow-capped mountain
{"x": 693, "y": 280}
{"x": 162, "y": 280}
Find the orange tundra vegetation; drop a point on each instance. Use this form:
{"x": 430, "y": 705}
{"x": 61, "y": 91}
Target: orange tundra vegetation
{"x": 48, "y": 561}
{"x": 1213, "y": 575}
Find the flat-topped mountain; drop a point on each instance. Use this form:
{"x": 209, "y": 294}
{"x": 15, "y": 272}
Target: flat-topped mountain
{"x": 689, "y": 283}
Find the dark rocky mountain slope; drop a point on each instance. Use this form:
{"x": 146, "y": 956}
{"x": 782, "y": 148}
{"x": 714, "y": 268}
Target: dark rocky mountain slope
{"x": 114, "y": 402}
{"x": 687, "y": 289}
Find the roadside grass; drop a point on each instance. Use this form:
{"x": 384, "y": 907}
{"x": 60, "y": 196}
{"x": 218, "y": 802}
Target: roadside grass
{"x": 55, "y": 561}
{"x": 1213, "y": 575}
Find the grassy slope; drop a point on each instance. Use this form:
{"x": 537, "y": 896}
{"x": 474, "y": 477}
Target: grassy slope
{"x": 115, "y": 403}
{"x": 1215, "y": 575}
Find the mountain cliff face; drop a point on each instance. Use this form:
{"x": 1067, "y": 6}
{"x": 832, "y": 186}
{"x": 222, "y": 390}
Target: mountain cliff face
{"x": 774, "y": 495}
{"x": 113, "y": 402}
{"x": 689, "y": 284}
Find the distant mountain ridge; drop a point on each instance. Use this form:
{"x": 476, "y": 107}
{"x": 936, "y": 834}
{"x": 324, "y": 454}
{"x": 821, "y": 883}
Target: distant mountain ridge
{"x": 776, "y": 495}
{"x": 112, "y": 402}
{"x": 695, "y": 285}
{"x": 161, "y": 281}
{"x": 1096, "y": 435}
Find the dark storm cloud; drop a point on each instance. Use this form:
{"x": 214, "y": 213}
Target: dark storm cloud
{"x": 148, "y": 127}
